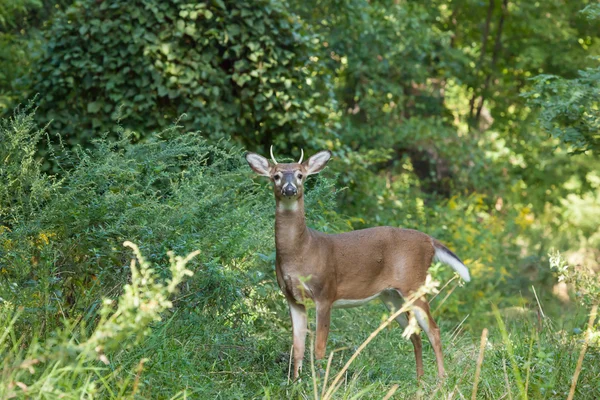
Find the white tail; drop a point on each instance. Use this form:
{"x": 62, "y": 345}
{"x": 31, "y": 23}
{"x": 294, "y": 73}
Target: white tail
{"x": 446, "y": 256}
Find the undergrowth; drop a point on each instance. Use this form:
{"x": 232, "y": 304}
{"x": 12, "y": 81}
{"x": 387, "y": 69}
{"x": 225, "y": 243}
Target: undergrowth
{"x": 228, "y": 333}
{"x": 75, "y": 362}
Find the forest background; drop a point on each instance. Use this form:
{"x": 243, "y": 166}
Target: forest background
{"x": 476, "y": 122}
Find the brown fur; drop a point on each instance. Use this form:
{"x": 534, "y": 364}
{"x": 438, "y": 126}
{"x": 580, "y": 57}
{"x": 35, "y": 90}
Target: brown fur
{"x": 347, "y": 266}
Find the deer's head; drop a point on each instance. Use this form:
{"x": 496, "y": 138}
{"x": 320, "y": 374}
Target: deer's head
{"x": 288, "y": 179}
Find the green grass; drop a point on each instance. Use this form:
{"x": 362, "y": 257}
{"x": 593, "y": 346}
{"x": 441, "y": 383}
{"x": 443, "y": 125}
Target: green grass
{"x": 194, "y": 352}
{"x": 188, "y": 353}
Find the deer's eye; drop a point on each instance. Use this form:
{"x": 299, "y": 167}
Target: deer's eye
{"x": 277, "y": 177}
{"x": 299, "y": 176}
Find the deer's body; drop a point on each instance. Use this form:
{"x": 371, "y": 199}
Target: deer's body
{"x": 349, "y": 266}
{"x": 346, "y": 269}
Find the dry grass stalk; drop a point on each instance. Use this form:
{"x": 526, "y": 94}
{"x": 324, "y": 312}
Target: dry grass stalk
{"x": 312, "y": 367}
{"x": 588, "y": 333}
{"x": 329, "y": 368}
{"x": 327, "y": 374}
{"x": 538, "y": 302}
{"x": 445, "y": 298}
{"x": 391, "y": 392}
{"x": 484, "y": 334}
{"x": 443, "y": 287}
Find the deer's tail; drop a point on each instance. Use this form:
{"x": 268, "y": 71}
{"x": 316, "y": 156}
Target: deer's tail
{"x": 446, "y": 256}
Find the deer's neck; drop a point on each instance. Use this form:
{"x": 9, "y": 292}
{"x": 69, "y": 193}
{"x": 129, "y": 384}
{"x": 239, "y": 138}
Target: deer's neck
{"x": 290, "y": 226}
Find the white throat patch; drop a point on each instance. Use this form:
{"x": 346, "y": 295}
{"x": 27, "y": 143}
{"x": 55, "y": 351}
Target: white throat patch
{"x": 287, "y": 205}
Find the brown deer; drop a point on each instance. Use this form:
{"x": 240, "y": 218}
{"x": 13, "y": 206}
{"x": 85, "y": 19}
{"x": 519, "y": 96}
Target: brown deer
{"x": 346, "y": 269}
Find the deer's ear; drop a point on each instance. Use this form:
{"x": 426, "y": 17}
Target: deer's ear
{"x": 259, "y": 164}
{"x": 317, "y": 162}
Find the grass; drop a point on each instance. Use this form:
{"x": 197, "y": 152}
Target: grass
{"x": 184, "y": 355}
{"x": 193, "y": 354}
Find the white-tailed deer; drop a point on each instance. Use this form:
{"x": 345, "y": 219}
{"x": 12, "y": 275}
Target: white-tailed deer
{"x": 346, "y": 269}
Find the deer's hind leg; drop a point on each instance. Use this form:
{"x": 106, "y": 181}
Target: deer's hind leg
{"x": 421, "y": 309}
{"x": 393, "y": 301}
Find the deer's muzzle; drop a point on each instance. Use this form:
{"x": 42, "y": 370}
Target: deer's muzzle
{"x": 289, "y": 189}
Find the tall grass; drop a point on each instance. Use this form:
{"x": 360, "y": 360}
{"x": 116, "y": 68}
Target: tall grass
{"x": 76, "y": 361}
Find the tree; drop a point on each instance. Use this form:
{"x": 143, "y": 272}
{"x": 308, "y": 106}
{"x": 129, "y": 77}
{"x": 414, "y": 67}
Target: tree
{"x": 570, "y": 108}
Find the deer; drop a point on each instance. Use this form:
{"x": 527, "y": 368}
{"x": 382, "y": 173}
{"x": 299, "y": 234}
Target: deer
{"x": 346, "y": 269}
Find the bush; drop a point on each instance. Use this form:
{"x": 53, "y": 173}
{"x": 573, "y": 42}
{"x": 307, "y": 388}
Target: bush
{"x": 241, "y": 69}
{"x": 24, "y": 188}
{"x": 60, "y": 240}
{"x": 69, "y": 364}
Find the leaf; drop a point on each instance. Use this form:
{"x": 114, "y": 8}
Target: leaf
{"x": 94, "y": 107}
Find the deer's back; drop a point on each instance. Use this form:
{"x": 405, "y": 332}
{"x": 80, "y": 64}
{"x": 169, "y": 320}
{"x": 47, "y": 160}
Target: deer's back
{"x": 371, "y": 259}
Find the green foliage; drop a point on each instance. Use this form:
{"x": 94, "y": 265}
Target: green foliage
{"x": 20, "y": 45}
{"x": 24, "y": 188}
{"x": 391, "y": 91}
{"x": 10, "y": 9}
{"x": 582, "y": 279}
{"x": 245, "y": 70}
{"x": 592, "y": 11}
{"x": 383, "y": 84}
{"x": 13, "y": 48}
{"x": 570, "y": 109}
{"x": 68, "y": 364}
{"x": 435, "y": 123}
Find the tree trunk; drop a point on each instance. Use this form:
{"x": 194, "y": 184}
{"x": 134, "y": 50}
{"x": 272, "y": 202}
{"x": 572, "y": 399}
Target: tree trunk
{"x": 484, "y": 40}
{"x": 497, "y": 49}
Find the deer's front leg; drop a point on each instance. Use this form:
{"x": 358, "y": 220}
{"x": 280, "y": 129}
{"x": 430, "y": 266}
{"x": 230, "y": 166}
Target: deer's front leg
{"x": 299, "y": 324}
{"x": 323, "y": 318}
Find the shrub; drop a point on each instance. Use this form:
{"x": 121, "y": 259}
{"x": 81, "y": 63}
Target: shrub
{"x": 241, "y": 69}
{"x": 24, "y": 188}
{"x": 60, "y": 252}
{"x": 69, "y": 364}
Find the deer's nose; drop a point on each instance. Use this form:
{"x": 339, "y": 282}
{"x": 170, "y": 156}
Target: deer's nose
{"x": 289, "y": 189}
